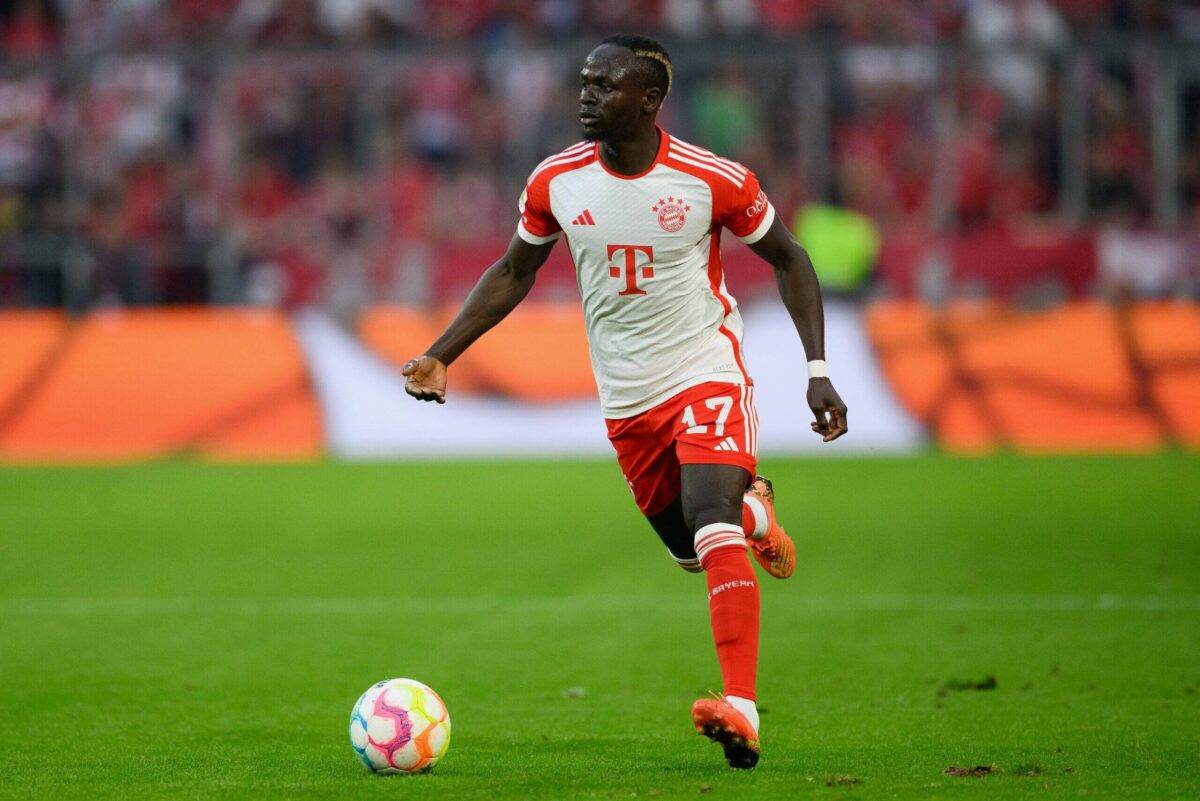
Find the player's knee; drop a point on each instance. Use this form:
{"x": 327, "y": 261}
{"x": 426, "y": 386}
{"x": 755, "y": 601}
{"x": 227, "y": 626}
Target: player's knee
{"x": 714, "y": 516}
{"x": 704, "y": 512}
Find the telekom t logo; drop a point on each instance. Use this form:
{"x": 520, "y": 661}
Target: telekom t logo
{"x": 631, "y": 266}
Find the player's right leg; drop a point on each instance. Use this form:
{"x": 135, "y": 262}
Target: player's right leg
{"x": 674, "y": 532}
{"x": 646, "y": 453}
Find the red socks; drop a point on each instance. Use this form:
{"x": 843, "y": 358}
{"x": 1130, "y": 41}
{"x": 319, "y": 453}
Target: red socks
{"x": 755, "y": 519}
{"x": 733, "y": 604}
{"x": 749, "y": 524}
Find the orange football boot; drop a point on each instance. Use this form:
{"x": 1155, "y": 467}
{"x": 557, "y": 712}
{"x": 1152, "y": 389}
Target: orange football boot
{"x": 775, "y": 550}
{"x": 719, "y": 721}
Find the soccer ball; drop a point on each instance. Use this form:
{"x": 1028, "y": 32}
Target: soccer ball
{"x": 400, "y": 726}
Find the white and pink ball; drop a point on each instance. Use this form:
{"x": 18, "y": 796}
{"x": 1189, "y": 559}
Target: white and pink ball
{"x": 400, "y": 726}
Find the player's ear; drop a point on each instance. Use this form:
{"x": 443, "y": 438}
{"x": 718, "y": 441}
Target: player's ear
{"x": 652, "y": 100}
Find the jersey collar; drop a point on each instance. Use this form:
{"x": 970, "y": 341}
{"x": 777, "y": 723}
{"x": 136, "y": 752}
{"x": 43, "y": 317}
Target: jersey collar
{"x": 664, "y": 144}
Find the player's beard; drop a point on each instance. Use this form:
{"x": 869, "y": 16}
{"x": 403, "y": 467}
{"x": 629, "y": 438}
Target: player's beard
{"x": 612, "y": 133}
{"x": 608, "y": 130}
{"x": 596, "y": 134}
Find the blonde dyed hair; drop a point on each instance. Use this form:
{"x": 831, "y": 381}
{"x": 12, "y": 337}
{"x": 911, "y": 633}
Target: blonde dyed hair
{"x": 661, "y": 59}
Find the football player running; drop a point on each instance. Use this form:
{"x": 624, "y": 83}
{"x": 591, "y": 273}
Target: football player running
{"x": 642, "y": 213}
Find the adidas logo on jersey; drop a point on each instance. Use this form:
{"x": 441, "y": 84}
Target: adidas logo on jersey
{"x": 727, "y": 444}
{"x": 584, "y": 219}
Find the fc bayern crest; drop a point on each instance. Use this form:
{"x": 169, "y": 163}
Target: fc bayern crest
{"x": 672, "y": 213}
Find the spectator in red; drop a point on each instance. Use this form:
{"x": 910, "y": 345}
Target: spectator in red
{"x": 29, "y": 29}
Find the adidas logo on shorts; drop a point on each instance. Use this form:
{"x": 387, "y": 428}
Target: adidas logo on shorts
{"x": 727, "y": 444}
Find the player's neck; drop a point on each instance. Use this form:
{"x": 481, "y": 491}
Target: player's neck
{"x": 631, "y": 155}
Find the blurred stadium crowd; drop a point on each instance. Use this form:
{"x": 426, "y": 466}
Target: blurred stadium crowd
{"x": 342, "y": 152}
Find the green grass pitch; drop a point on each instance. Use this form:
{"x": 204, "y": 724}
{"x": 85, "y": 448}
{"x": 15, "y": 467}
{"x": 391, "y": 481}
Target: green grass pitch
{"x": 196, "y": 631}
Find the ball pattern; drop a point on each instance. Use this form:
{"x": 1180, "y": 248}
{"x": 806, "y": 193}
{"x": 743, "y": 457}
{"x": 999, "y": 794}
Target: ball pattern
{"x": 399, "y": 726}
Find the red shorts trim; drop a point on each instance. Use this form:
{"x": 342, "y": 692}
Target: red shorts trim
{"x": 711, "y": 423}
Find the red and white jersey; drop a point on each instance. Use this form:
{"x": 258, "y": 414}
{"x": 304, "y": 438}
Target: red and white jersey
{"x": 647, "y": 257}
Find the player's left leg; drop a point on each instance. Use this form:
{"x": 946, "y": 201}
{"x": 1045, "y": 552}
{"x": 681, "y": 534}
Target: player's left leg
{"x": 712, "y": 500}
{"x": 769, "y": 543}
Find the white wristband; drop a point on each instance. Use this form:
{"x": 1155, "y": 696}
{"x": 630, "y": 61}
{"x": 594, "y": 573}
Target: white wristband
{"x": 817, "y": 368}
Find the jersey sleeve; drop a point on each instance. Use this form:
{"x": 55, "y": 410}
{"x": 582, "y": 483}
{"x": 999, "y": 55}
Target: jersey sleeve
{"x": 537, "y": 225}
{"x": 744, "y": 210}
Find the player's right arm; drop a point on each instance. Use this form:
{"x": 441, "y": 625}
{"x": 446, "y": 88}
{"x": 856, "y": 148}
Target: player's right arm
{"x": 499, "y": 290}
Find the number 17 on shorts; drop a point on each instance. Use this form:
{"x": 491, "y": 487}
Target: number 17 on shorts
{"x": 711, "y": 423}
{"x": 716, "y": 419}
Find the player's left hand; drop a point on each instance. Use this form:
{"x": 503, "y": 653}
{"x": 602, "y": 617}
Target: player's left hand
{"x": 828, "y": 408}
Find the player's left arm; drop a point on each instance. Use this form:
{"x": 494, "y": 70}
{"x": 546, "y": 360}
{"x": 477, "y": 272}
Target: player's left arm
{"x": 801, "y": 294}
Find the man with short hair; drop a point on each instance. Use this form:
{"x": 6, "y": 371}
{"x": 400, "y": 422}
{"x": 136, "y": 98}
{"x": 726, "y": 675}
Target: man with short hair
{"x": 642, "y": 213}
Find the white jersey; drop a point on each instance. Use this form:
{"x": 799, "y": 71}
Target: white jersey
{"x": 647, "y": 258}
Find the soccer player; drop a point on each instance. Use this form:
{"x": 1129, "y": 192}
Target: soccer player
{"x": 642, "y": 213}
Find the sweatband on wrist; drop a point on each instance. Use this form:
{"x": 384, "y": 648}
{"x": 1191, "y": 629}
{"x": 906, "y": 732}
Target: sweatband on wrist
{"x": 817, "y": 368}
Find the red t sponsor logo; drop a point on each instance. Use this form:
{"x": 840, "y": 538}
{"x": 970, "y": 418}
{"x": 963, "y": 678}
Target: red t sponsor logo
{"x": 630, "y": 269}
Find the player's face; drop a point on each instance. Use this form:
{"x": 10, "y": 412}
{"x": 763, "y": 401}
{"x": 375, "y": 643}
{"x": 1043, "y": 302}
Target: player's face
{"x": 612, "y": 98}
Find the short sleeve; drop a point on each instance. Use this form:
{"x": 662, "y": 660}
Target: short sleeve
{"x": 537, "y": 225}
{"x": 744, "y": 210}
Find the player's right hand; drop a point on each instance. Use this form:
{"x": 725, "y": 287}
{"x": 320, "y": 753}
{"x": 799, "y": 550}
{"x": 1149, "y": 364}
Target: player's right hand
{"x": 426, "y": 379}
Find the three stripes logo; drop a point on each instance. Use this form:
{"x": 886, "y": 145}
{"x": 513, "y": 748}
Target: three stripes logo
{"x": 727, "y": 444}
{"x": 584, "y": 219}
